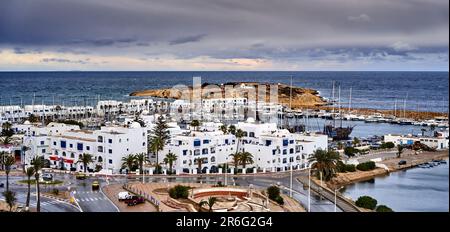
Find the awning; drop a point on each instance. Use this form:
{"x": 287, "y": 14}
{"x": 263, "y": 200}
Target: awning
{"x": 69, "y": 161}
{"x": 53, "y": 157}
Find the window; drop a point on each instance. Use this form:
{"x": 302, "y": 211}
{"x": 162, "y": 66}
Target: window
{"x": 42, "y": 142}
{"x": 284, "y": 160}
{"x": 72, "y": 155}
{"x": 291, "y": 159}
{"x": 110, "y": 151}
{"x": 109, "y": 140}
{"x": 213, "y": 159}
{"x": 274, "y": 151}
{"x": 226, "y": 141}
{"x": 63, "y": 144}
{"x": 205, "y": 141}
{"x": 184, "y": 161}
{"x": 64, "y": 154}
{"x": 185, "y": 152}
{"x": 213, "y": 150}
{"x": 252, "y": 134}
{"x": 43, "y": 151}
{"x": 197, "y": 152}
{"x": 100, "y": 139}
{"x": 71, "y": 145}
{"x": 291, "y": 151}
{"x": 56, "y": 152}
{"x": 100, "y": 149}
{"x": 291, "y": 141}
{"x": 285, "y": 142}
{"x": 205, "y": 151}
{"x": 197, "y": 143}
{"x": 284, "y": 151}
{"x": 110, "y": 161}
{"x": 79, "y": 146}
{"x": 88, "y": 148}
{"x": 100, "y": 159}
{"x": 54, "y": 143}
{"x": 268, "y": 142}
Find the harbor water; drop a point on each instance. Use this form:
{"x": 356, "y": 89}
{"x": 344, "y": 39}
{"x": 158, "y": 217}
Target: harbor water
{"x": 413, "y": 190}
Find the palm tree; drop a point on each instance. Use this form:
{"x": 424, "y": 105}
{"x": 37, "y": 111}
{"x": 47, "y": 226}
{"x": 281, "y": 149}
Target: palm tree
{"x": 236, "y": 159}
{"x": 141, "y": 158}
{"x": 85, "y": 159}
{"x": 223, "y": 128}
{"x": 399, "y": 150}
{"x": 355, "y": 141}
{"x": 325, "y": 163}
{"x": 29, "y": 172}
{"x": 246, "y": 158}
{"x": 6, "y": 129}
{"x": 199, "y": 164}
{"x": 340, "y": 146}
{"x": 129, "y": 162}
{"x": 195, "y": 124}
{"x": 232, "y": 129}
{"x": 38, "y": 164}
{"x": 239, "y": 134}
{"x": 210, "y": 203}
{"x": 9, "y": 161}
{"x": 10, "y": 198}
{"x": 170, "y": 158}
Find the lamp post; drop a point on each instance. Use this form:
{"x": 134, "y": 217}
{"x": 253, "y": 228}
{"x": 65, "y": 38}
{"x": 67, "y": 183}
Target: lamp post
{"x": 335, "y": 197}
{"x": 290, "y": 182}
{"x": 309, "y": 186}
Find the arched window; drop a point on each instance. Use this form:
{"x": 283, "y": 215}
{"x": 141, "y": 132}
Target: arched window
{"x": 213, "y": 159}
{"x": 56, "y": 152}
{"x": 64, "y": 154}
{"x": 100, "y": 159}
{"x": 72, "y": 155}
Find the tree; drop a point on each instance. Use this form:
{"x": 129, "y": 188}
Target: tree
{"x": 432, "y": 128}
{"x": 2, "y": 159}
{"x": 340, "y": 145}
{"x": 239, "y": 134}
{"x": 210, "y": 203}
{"x": 355, "y": 141}
{"x": 158, "y": 139}
{"x": 32, "y": 118}
{"x": 223, "y": 128}
{"x": 199, "y": 162}
{"x": 38, "y": 164}
{"x": 399, "y": 150}
{"x": 9, "y": 161}
{"x": 325, "y": 163}
{"x": 350, "y": 151}
{"x": 170, "y": 158}
{"x": 29, "y": 172}
{"x": 383, "y": 209}
{"x": 246, "y": 158}
{"x": 195, "y": 124}
{"x": 141, "y": 159}
{"x": 232, "y": 129}
{"x": 236, "y": 159}
{"x": 7, "y": 129}
{"x": 129, "y": 162}
{"x": 273, "y": 193}
{"x": 366, "y": 202}
{"x": 85, "y": 159}
{"x": 10, "y": 198}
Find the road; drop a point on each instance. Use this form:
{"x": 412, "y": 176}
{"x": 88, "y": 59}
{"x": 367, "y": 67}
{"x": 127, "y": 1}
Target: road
{"x": 96, "y": 201}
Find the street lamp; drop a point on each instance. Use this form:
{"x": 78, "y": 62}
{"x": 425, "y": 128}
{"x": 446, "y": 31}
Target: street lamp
{"x": 335, "y": 196}
{"x": 309, "y": 186}
{"x": 290, "y": 181}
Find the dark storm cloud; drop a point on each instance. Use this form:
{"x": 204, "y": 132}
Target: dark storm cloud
{"x": 187, "y": 39}
{"x": 229, "y": 29}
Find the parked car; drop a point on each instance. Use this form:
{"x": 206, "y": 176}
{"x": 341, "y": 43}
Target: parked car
{"x": 123, "y": 196}
{"x": 134, "y": 200}
{"x": 80, "y": 176}
{"x": 47, "y": 177}
{"x": 402, "y": 162}
{"x": 95, "y": 185}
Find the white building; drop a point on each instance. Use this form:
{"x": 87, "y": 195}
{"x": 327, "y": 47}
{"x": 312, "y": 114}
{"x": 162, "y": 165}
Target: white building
{"x": 439, "y": 143}
{"x": 63, "y": 144}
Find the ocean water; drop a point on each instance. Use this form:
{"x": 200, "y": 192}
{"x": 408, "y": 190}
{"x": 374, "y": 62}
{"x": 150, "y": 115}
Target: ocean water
{"x": 424, "y": 91}
{"x": 412, "y": 190}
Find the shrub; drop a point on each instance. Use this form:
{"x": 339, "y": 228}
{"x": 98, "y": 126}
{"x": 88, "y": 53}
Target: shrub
{"x": 383, "y": 208}
{"x": 350, "y": 168}
{"x": 55, "y": 191}
{"x": 387, "y": 145}
{"x": 273, "y": 192}
{"x": 367, "y": 166}
{"x": 366, "y": 202}
{"x": 279, "y": 200}
{"x": 179, "y": 191}
{"x": 350, "y": 151}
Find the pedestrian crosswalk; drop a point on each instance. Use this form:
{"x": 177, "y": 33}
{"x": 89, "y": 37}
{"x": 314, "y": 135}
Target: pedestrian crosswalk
{"x": 84, "y": 199}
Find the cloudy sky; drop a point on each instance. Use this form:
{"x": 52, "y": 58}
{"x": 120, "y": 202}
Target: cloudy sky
{"x": 224, "y": 35}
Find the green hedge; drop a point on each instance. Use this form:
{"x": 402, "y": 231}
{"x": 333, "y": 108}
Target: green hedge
{"x": 341, "y": 167}
{"x": 274, "y": 194}
{"x": 366, "y": 202}
{"x": 387, "y": 145}
{"x": 367, "y": 166}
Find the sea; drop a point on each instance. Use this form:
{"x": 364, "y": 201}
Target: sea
{"x": 411, "y": 190}
{"x": 422, "y": 91}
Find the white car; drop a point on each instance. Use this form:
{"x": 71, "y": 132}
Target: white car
{"x": 123, "y": 196}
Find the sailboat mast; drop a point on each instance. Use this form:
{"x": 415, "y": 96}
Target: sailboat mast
{"x": 339, "y": 104}
{"x": 395, "y": 108}
{"x": 350, "y": 101}
{"x": 404, "y": 106}
{"x": 290, "y": 96}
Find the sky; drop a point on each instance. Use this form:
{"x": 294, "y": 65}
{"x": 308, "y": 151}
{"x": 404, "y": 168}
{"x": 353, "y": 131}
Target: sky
{"x": 241, "y": 35}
